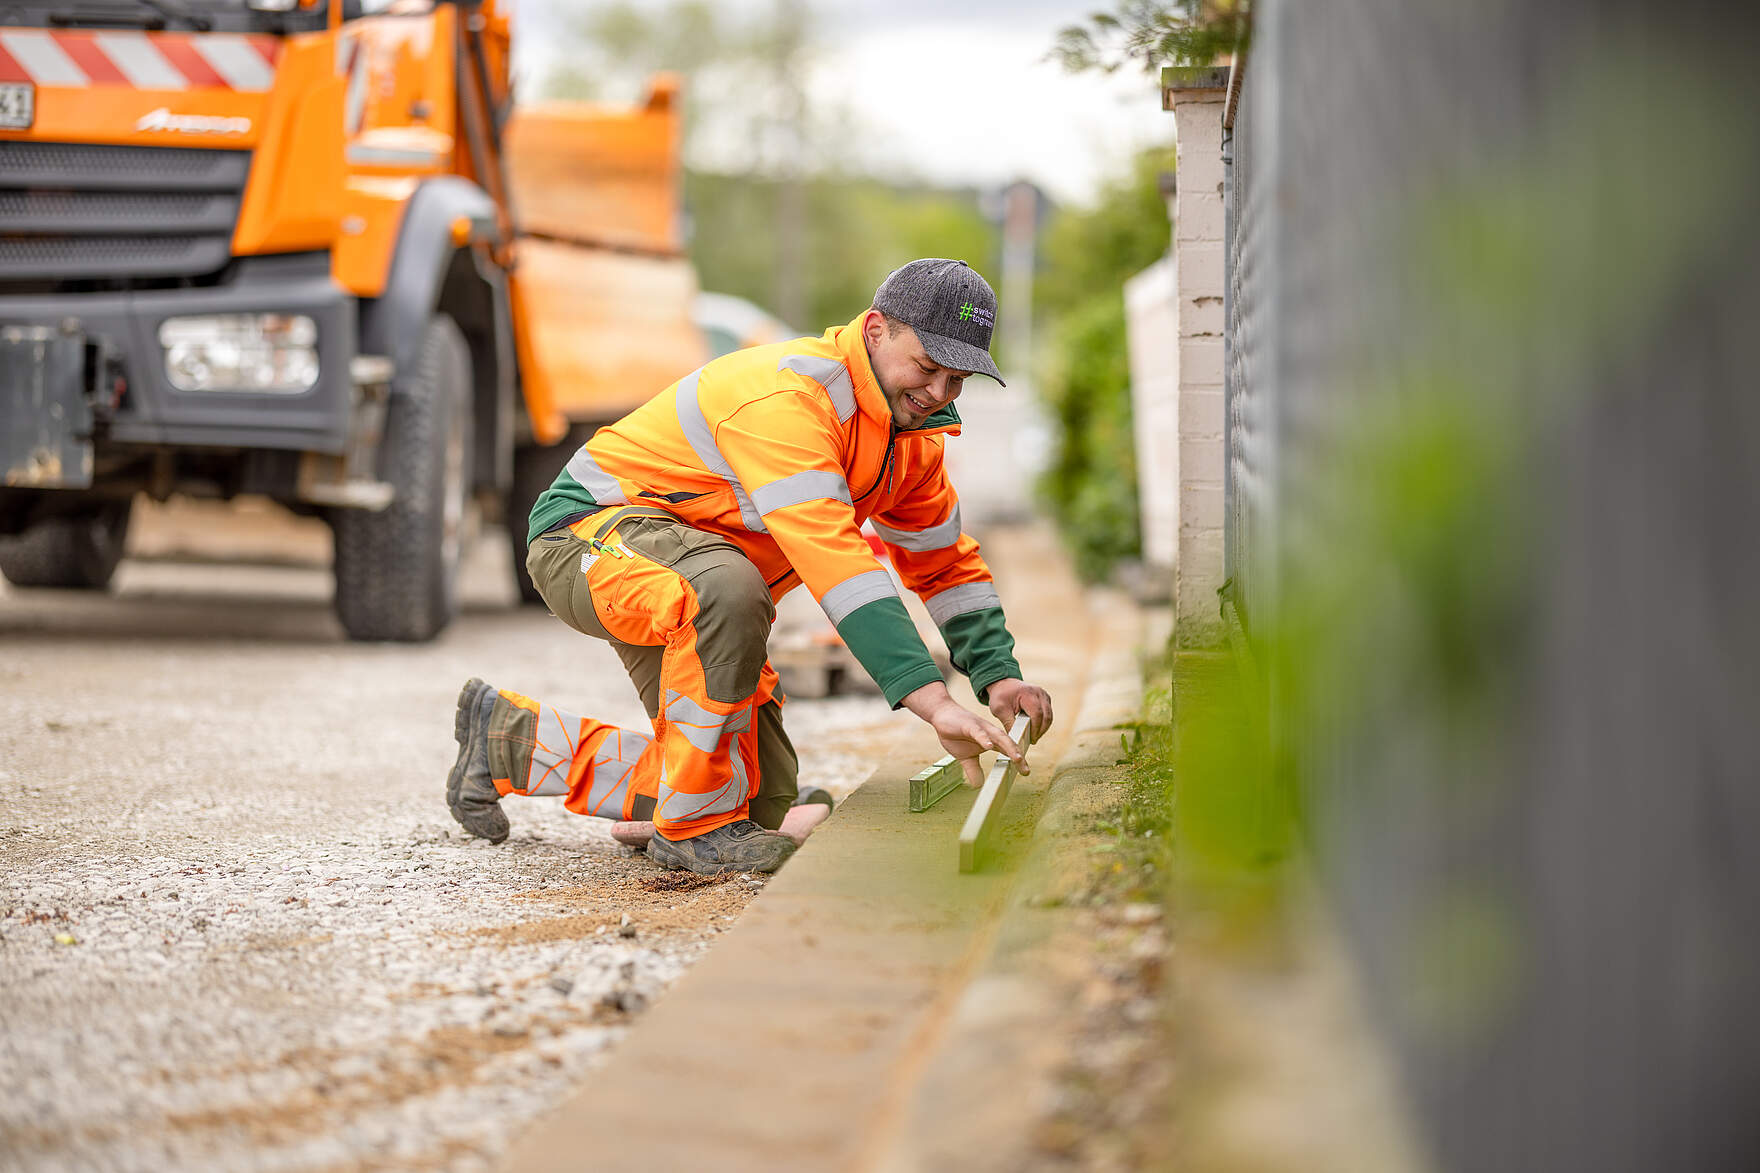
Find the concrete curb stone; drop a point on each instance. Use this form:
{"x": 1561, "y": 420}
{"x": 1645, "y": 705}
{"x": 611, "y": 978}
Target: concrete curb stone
{"x": 993, "y": 1082}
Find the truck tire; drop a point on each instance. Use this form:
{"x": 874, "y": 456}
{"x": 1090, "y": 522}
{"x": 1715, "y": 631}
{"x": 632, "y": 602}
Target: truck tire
{"x": 534, "y": 468}
{"x": 79, "y": 551}
{"x": 397, "y": 569}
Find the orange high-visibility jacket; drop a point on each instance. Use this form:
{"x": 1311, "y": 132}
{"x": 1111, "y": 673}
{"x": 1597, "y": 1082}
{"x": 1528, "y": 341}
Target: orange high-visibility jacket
{"x": 785, "y": 450}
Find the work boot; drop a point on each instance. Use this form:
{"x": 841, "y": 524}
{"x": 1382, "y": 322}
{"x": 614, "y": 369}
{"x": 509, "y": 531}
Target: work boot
{"x": 470, "y": 791}
{"x": 740, "y": 847}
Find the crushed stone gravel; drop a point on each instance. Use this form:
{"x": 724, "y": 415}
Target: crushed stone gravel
{"x": 239, "y": 930}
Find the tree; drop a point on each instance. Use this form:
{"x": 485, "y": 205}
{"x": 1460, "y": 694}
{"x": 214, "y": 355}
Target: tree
{"x": 778, "y": 213}
{"x": 619, "y": 45}
{"x": 1089, "y": 253}
{"x": 1153, "y": 33}
{"x": 856, "y": 229}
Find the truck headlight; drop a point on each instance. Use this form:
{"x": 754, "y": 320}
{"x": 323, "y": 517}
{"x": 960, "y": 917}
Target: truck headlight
{"x": 275, "y": 353}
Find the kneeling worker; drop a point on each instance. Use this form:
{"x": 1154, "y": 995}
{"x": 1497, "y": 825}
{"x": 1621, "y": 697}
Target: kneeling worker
{"x": 672, "y": 533}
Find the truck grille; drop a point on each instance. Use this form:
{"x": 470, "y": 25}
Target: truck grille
{"x": 83, "y": 211}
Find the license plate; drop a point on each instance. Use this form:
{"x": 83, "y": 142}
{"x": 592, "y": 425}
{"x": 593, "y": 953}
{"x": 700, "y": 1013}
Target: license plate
{"x": 18, "y": 105}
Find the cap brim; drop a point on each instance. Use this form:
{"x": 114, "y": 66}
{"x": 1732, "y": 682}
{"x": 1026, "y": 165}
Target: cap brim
{"x": 960, "y": 356}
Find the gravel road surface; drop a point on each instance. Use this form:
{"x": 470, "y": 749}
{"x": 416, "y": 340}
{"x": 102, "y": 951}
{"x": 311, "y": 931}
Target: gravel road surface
{"x": 239, "y": 929}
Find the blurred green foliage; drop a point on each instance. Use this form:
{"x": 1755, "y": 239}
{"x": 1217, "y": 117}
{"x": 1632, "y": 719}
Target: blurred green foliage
{"x": 778, "y": 212}
{"x": 1232, "y": 827}
{"x": 1091, "y": 485}
{"x": 625, "y": 42}
{"x": 1143, "y": 823}
{"x": 1088, "y": 253}
{"x": 1153, "y": 33}
{"x": 857, "y": 230}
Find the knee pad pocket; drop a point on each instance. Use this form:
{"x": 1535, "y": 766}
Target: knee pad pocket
{"x": 734, "y": 613}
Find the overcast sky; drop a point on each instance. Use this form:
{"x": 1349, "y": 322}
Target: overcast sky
{"x": 955, "y": 91}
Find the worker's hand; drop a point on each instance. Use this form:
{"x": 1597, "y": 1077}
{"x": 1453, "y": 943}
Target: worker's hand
{"x": 1009, "y": 698}
{"x": 962, "y": 732}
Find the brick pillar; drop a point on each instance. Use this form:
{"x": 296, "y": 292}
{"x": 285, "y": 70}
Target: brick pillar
{"x": 1196, "y": 97}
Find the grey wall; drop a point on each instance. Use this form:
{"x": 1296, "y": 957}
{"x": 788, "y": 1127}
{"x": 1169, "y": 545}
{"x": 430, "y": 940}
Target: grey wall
{"x": 1493, "y": 499}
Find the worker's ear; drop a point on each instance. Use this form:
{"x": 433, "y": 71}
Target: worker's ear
{"x": 873, "y": 328}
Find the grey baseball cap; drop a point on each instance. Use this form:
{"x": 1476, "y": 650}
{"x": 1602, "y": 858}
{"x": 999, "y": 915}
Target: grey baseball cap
{"x": 951, "y": 308}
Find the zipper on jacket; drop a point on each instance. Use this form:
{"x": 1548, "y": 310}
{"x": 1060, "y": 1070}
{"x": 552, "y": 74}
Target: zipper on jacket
{"x": 885, "y": 468}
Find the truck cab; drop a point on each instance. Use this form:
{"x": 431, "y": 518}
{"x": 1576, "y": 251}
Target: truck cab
{"x": 272, "y": 247}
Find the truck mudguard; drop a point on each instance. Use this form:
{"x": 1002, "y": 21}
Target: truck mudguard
{"x": 392, "y": 323}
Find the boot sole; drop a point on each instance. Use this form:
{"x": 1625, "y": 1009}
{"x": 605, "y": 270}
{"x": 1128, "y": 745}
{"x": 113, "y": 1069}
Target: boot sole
{"x": 681, "y": 862}
{"x": 668, "y": 854}
{"x": 468, "y": 698}
{"x": 797, "y": 824}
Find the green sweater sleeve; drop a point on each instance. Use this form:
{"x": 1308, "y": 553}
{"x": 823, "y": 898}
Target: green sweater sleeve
{"x": 981, "y": 647}
{"x": 882, "y": 637}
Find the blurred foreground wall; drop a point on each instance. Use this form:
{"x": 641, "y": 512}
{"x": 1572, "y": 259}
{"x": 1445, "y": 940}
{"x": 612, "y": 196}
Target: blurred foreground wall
{"x": 1493, "y": 533}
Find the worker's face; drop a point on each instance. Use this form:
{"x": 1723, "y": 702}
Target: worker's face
{"x": 915, "y": 385}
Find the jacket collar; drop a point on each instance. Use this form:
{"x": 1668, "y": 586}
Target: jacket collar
{"x": 944, "y": 420}
{"x": 870, "y": 400}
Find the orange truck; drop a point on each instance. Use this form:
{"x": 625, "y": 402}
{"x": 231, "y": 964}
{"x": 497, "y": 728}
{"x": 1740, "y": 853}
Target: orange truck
{"x": 312, "y": 250}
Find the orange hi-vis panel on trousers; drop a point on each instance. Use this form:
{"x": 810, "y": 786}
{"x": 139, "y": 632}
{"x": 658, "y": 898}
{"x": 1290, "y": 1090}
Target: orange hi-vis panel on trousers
{"x": 785, "y": 450}
{"x": 601, "y": 769}
{"x": 701, "y": 764}
{"x": 595, "y": 765}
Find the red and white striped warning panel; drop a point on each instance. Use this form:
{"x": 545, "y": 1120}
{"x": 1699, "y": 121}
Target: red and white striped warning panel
{"x": 142, "y": 61}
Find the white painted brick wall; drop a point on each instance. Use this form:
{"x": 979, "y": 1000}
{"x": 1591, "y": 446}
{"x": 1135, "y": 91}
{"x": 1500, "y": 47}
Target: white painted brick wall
{"x": 1201, "y": 315}
{"x": 1201, "y": 506}
{"x": 1200, "y": 462}
{"x": 1200, "y": 216}
{"x": 1201, "y": 414}
{"x": 1200, "y": 363}
{"x": 1197, "y": 618}
{"x": 1199, "y": 262}
{"x": 1200, "y": 268}
{"x": 1197, "y": 131}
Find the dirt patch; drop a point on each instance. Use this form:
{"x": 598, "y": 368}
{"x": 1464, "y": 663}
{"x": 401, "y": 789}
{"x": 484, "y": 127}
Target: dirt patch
{"x": 632, "y": 889}
{"x": 684, "y": 881}
{"x": 625, "y": 906}
{"x": 17, "y": 1140}
{"x": 444, "y": 1155}
{"x": 661, "y": 901}
{"x": 547, "y": 930}
{"x": 1114, "y": 1091}
{"x": 448, "y": 1056}
{"x": 1115, "y": 1087}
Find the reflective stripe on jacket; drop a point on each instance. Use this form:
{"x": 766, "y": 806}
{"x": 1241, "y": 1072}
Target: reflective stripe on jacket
{"x": 785, "y": 450}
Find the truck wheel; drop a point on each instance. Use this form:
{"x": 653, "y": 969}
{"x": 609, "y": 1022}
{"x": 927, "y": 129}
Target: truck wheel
{"x": 397, "y": 569}
{"x": 79, "y": 551}
{"x": 534, "y": 468}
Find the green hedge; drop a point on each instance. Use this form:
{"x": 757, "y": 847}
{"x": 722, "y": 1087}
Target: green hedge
{"x": 1089, "y": 253}
{"x": 1091, "y": 486}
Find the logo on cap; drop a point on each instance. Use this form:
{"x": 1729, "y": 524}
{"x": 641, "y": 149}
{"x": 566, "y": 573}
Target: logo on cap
{"x": 969, "y": 312}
